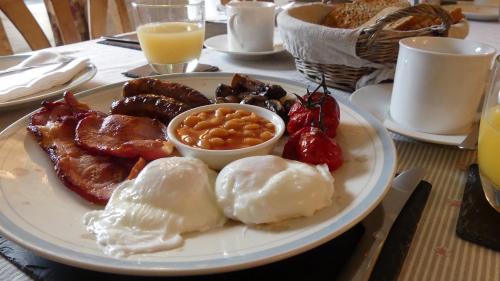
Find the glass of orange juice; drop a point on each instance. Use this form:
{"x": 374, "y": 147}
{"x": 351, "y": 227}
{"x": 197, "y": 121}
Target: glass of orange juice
{"x": 171, "y": 33}
{"x": 489, "y": 141}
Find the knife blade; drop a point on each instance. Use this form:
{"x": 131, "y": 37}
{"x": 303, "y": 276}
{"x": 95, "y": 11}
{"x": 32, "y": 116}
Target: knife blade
{"x": 119, "y": 39}
{"x": 378, "y": 224}
{"x": 145, "y": 70}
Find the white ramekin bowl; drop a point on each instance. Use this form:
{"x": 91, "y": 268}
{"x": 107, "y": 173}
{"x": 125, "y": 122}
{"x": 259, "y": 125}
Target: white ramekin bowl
{"x": 217, "y": 159}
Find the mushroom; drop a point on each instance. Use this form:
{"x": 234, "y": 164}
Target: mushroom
{"x": 232, "y": 99}
{"x": 254, "y": 100}
{"x": 276, "y": 107}
{"x": 273, "y": 92}
{"x": 224, "y": 90}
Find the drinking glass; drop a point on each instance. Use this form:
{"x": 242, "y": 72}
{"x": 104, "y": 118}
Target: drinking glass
{"x": 171, "y": 33}
{"x": 489, "y": 141}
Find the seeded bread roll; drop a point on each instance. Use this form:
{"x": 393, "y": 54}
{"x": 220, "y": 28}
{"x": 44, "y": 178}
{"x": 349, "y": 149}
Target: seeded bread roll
{"x": 379, "y": 15}
{"x": 418, "y": 22}
{"x": 355, "y": 14}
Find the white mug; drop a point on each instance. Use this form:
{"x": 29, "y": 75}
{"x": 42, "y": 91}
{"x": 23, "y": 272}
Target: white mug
{"x": 492, "y": 3}
{"x": 250, "y": 26}
{"x": 439, "y": 83}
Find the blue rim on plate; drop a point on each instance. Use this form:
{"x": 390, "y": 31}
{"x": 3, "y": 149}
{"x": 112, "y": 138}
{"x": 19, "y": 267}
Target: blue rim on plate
{"x": 165, "y": 268}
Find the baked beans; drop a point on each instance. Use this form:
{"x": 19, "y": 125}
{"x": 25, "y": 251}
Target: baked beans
{"x": 224, "y": 129}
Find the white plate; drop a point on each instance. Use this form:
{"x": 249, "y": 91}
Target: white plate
{"x": 39, "y": 213}
{"x": 80, "y": 78}
{"x": 376, "y": 100}
{"x": 219, "y": 43}
{"x": 477, "y": 12}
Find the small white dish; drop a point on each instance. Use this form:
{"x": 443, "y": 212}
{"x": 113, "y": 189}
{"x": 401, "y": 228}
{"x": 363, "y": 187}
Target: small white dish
{"x": 478, "y": 12}
{"x": 220, "y": 44}
{"x": 217, "y": 159}
{"x": 376, "y": 99}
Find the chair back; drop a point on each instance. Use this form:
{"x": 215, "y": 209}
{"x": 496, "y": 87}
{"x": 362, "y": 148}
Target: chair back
{"x": 17, "y": 12}
{"x": 98, "y": 15}
{"x": 77, "y": 20}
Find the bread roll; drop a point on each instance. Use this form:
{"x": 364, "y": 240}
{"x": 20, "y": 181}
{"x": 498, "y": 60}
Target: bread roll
{"x": 355, "y": 14}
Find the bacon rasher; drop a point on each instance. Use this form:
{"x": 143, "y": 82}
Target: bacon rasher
{"x": 89, "y": 170}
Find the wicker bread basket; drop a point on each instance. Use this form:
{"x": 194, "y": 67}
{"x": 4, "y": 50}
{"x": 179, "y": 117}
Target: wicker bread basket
{"x": 374, "y": 43}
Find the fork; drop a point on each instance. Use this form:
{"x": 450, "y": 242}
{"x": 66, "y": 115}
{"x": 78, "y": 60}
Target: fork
{"x": 13, "y": 70}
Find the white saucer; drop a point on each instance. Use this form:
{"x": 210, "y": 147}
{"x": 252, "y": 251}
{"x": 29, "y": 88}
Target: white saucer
{"x": 219, "y": 43}
{"x": 477, "y": 12}
{"x": 376, "y": 99}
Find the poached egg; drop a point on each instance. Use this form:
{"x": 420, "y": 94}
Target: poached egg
{"x": 170, "y": 196}
{"x": 267, "y": 189}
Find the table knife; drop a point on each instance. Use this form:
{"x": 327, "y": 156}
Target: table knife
{"x": 378, "y": 224}
{"x": 119, "y": 39}
{"x": 145, "y": 70}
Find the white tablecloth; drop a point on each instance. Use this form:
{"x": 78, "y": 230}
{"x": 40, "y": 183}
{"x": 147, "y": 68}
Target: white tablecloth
{"x": 436, "y": 252}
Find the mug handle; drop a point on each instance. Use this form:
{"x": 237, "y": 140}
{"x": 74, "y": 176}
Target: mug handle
{"x": 231, "y": 23}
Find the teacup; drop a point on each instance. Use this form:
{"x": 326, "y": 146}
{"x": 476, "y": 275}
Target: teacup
{"x": 439, "y": 83}
{"x": 250, "y": 26}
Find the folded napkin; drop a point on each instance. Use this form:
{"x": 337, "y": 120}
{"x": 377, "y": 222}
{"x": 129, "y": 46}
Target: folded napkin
{"x": 31, "y": 81}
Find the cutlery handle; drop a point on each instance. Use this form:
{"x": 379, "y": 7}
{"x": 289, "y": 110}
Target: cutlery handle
{"x": 363, "y": 270}
{"x": 378, "y": 225}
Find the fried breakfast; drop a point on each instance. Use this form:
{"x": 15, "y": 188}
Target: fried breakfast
{"x": 267, "y": 189}
{"x": 124, "y": 158}
{"x": 170, "y": 196}
{"x": 224, "y": 128}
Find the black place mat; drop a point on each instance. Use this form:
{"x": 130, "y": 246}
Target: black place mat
{"x": 326, "y": 260}
{"x": 478, "y": 222}
{"x": 127, "y": 45}
{"x": 322, "y": 263}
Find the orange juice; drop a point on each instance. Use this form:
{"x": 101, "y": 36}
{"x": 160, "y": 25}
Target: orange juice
{"x": 489, "y": 153}
{"x": 171, "y": 42}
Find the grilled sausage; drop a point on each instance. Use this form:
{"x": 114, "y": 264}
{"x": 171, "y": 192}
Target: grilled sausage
{"x": 182, "y": 93}
{"x": 158, "y": 107}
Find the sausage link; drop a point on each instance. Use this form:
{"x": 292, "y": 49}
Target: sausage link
{"x": 182, "y": 93}
{"x": 157, "y": 107}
